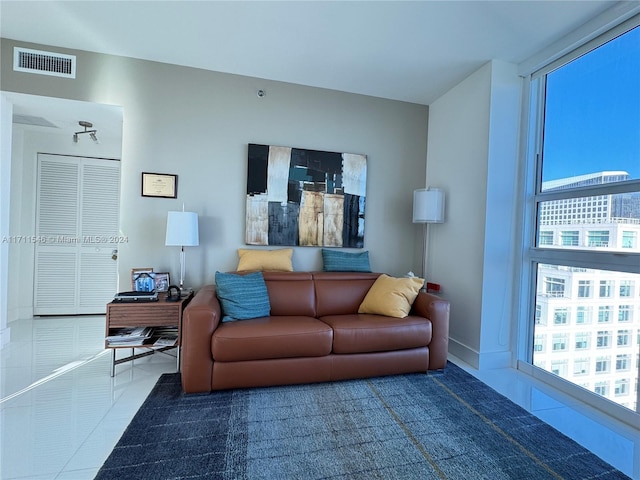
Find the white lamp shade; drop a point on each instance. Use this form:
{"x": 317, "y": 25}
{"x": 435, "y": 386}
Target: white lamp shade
{"x": 428, "y": 205}
{"x": 182, "y": 229}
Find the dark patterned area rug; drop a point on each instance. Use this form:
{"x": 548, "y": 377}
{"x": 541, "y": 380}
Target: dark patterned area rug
{"x": 442, "y": 425}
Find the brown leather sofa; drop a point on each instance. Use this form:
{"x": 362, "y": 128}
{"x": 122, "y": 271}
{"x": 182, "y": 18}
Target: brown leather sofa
{"x": 314, "y": 334}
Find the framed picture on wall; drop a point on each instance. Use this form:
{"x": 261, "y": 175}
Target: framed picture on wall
{"x": 300, "y": 197}
{"x": 159, "y": 185}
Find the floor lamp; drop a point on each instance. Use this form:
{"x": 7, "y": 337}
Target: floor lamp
{"x": 182, "y": 231}
{"x": 428, "y": 207}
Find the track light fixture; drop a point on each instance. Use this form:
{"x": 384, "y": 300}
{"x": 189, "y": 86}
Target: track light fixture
{"x": 86, "y": 125}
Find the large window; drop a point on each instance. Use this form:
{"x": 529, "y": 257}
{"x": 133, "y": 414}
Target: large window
{"x": 554, "y": 287}
{"x": 570, "y": 238}
{"x": 581, "y": 366}
{"x": 628, "y": 239}
{"x": 560, "y": 342}
{"x": 624, "y": 313}
{"x": 624, "y": 338}
{"x": 598, "y": 238}
{"x": 546, "y": 238}
{"x": 605, "y": 288}
{"x": 582, "y": 340}
{"x": 604, "y": 314}
{"x": 584, "y": 288}
{"x": 602, "y": 388}
{"x": 585, "y": 147}
{"x": 583, "y": 315}
{"x": 603, "y": 364}
{"x": 626, "y": 288}
{"x": 560, "y": 316}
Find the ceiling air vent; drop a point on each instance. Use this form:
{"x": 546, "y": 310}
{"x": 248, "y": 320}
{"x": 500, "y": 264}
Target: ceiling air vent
{"x": 44, "y": 63}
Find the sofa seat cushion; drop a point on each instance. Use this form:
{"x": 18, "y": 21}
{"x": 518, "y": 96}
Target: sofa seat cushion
{"x": 363, "y": 333}
{"x": 288, "y": 336}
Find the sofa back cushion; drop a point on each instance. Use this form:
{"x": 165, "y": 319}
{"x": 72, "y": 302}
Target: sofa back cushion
{"x": 335, "y": 260}
{"x": 291, "y": 293}
{"x": 265, "y": 260}
{"x": 341, "y": 293}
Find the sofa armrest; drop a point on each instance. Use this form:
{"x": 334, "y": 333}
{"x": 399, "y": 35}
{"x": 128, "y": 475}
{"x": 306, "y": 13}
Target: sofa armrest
{"x": 435, "y": 309}
{"x": 200, "y": 319}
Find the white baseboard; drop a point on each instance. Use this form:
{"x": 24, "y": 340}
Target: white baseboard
{"x": 491, "y": 360}
{"x": 464, "y": 353}
{"x": 479, "y": 360}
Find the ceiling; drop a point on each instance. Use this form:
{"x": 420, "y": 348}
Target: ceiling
{"x": 411, "y": 51}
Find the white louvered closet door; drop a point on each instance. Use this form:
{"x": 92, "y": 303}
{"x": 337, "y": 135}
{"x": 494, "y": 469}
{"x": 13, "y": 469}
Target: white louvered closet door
{"x": 77, "y": 219}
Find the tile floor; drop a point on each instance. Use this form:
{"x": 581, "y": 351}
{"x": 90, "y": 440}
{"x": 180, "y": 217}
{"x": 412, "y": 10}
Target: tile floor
{"x": 61, "y": 413}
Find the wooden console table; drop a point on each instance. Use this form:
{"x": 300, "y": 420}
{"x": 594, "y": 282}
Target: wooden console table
{"x": 163, "y": 314}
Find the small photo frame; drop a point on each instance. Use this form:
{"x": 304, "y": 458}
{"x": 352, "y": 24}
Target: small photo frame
{"x": 142, "y": 280}
{"x": 161, "y": 185}
{"x": 162, "y": 281}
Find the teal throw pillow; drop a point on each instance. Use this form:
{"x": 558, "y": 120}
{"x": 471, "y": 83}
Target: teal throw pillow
{"x": 337, "y": 261}
{"x": 242, "y": 296}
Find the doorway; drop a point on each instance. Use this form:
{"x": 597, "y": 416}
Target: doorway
{"x": 47, "y": 125}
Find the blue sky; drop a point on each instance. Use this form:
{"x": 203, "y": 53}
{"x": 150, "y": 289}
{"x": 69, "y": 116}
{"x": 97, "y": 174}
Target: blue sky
{"x": 592, "y": 120}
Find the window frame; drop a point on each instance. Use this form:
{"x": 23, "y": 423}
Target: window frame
{"x": 623, "y": 362}
{"x": 570, "y": 238}
{"x": 584, "y": 315}
{"x": 554, "y": 287}
{"x": 626, "y": 286}
{"x": 598, "y": 238}
{"x": 605, "y": 314}
{"x": 605, "y": 289}
{"x": 625, "y": 313}
{"x": 604, "y": 339}
{"x": 532, "y": 196}
{"x": 561, "y": 341}
{"x": 621, "y": 387}
{"x": 603, "y": 386}
{"x": 603, "y": 365}
{"x": 582, "y": 341}
{"x": 629, "y": 239}
{"x": 584, "y": 364}
{"x": 584, "y": 288}
{"x": 561, "y": 316}
{"x": 624, "y": 338}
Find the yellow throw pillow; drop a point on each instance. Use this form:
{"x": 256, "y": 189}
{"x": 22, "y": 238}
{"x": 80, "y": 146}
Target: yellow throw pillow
{"x": 391, "y": 296}
{"x": 274, "y": 260}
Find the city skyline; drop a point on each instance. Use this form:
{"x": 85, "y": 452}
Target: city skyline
{"x": 587, "y": 320}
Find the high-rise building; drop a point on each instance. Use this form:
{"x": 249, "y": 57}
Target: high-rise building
{"x": 587, "y": 322}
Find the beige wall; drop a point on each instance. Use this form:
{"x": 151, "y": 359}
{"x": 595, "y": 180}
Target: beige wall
{"x": 197, "y": 124}
{"x": 473, "y": 156}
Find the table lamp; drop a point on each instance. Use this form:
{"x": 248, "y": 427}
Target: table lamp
{"x": 182, "y": 231}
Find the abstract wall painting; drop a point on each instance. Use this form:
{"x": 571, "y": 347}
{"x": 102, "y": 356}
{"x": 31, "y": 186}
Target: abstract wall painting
{"x": 298, "y": 197}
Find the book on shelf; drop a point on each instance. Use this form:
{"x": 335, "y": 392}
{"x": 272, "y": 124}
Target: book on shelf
{"x": 166, "y": 341}
{"x": 129, "y": 336}
{"x": 166, "y": 336}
